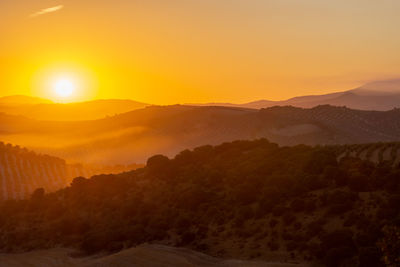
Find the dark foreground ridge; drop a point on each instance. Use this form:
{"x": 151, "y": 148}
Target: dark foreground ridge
{"x": 245, "y": 199}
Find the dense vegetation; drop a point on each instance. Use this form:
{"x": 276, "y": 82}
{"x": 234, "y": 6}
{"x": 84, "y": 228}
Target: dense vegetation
{"x": 250, "y": 199}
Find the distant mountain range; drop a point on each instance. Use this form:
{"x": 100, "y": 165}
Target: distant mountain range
{"x": 136, "y": 135}
{"x": 43, "y": 109}
{"x": 379, "y": 95}
{"x": 90, "y": 132}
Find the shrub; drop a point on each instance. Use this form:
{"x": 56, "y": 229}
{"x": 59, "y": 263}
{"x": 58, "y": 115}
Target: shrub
{"x": 335, "y": 256}
{"x": 292, "y": 245}
{"x": 390, "y": 245}
{"x": 338, "y": 209}
{"x": 273, "y": 223}
{"x": 298, "y": 205}
{"x": 279, "y": 211}
{"x": 369, "y": 257}
{"x": 314, "y": 228}
{"x": 289, "y": 219}
{"x": 187, "y": 238}
{"x": 159, "y": 166}
{"x": 338, "y": 239}
{"x": 273, "y": 245}
{"x": 358, "y": 183}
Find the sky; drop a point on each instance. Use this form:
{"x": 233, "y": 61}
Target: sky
{"x": 186, "y": 51}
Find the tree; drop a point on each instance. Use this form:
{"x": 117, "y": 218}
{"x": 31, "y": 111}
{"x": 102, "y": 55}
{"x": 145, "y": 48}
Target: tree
{"x": 390, "y": 246}
{"x": 38, "y": 194}
{"x": 159, "y": 166}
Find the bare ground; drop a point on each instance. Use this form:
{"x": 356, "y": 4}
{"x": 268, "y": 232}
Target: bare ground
{"x": 141, "y": 256}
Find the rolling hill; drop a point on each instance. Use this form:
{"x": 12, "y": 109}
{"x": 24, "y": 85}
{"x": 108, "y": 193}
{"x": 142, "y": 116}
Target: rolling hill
{"x": 19, "y": 100}
{"x": 136, "y": 135}
{"x": 42, "y": 109}
{"x": 378, "y": 95}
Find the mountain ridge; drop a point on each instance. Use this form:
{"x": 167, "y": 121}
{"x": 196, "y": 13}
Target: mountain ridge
{"x": 136, "y": 135}
{"x": 378, "y": 95}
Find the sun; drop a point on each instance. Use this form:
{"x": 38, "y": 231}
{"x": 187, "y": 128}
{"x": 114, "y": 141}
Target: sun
{"x": 64, "y": 88}
{"x": 65, "y": 83}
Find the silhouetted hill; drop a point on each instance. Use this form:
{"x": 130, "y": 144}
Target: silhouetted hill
{"x": 379, "y": 95}
{"x": 245, "y": 199}
{"x": 40, "y": 109}
{"x": 18, "y": 100}
{"x": 136, "y": 135}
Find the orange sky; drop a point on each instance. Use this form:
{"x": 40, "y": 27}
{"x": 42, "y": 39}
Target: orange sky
{"x": 177, "y": 51}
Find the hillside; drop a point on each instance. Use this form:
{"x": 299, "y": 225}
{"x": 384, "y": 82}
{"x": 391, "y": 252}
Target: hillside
{"x": 243, "y": 200}
{"x": 374, "y": 152}
{"x": 141, "y": 256}
{"x": 22, "y": 171}
{"x": 39, "y": 109}
{"x": 134, "y": 136}
{"x": 379, "y": 95}
{"x": 19, "y": 100}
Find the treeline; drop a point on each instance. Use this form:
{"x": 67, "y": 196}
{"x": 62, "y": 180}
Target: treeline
{"x": 241, "y": 199}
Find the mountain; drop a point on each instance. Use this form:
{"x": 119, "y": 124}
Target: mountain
{"x": 40, "y": 109}
{"x": 379, "y": 95}
{"x": 381, "y": 87}
{"x": 242, "y": 200}
{"x": 136, "y": 135}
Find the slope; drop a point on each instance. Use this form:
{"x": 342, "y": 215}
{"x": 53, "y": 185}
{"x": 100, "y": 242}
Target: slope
{"x": 46, "y": 110}
{"x": 243, "y": 200}
{"x": 23, "y": 171}
{"x": 379, "y": 95}
{"x": 134, "y": 136}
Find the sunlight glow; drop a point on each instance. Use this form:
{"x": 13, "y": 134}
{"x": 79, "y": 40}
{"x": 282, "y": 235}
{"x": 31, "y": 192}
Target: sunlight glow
{"x": 65, "y": 81}
{"x": 64, "y": 88}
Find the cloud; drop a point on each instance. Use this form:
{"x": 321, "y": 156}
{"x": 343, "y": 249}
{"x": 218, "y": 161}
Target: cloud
{"x": 46, "y": 10}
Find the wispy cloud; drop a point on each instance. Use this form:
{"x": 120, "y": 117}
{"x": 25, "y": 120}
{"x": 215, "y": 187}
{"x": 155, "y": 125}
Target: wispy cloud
{"x": 46, "y": 10}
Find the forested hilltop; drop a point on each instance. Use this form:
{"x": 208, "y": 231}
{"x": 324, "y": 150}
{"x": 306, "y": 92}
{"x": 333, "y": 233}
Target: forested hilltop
{"x": 245, "y": 199}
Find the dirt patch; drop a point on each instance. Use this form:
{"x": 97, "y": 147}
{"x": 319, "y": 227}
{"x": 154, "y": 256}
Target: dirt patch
{"x": 141, "y": 256}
